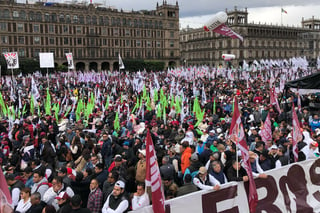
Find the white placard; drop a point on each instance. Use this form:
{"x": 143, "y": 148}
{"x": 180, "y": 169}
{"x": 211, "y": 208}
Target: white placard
{"x": 46, "y": 60}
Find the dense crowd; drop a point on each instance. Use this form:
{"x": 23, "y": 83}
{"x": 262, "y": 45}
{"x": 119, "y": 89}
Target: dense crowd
{"x": 84, "y": 150}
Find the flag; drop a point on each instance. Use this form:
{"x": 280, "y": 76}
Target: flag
{"x": 237, "y": 135}
{"x": 296, "y": 133}
{"x": 266, "y": 132}
{"x": 283, "y": 11}
{"x": 34, "y": 89}
{"x": 70, "y": 61}
{"x": 12, "y": 60}
{"x": 274, "y": 99}
{"x": 153, "y": 177}
{"x": 5, "y": 197}
{"x": 121, "y": 64}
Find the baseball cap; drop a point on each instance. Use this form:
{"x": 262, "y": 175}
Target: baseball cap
{"x": 142, "y": 151}
{"x": 63, "y": 170}
{"x": 194, "y": 157}
{"x": 120, "y": 183}
{"x": 202, "y": 170}
{"x": 62, "y": 195}
{"x": 118, "y": 158}
{"x": 273, "y": 147}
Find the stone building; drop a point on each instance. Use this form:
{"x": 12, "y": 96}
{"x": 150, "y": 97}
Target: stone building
{"x": 261, "y": 41}
{"x": 93, "y": 33}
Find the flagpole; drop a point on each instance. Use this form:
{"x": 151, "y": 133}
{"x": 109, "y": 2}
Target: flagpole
{"x": 281, "y": 16}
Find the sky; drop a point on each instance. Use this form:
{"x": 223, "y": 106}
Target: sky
{"x": 196, "y": 13}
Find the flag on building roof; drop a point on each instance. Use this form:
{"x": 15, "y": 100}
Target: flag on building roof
{"x": 283, "y": 11}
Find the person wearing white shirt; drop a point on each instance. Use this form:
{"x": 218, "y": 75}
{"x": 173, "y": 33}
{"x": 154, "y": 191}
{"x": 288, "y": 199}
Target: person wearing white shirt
{"x": 57, "y": 187}
{"x": 140, "y": 198}
{"x": 25, "y": 202}
{"x": 15, "y": 188}
{"x": 204, "y": 181}
{"x": 116, "y": 201}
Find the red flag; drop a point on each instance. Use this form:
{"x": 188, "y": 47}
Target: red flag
{"x": 274, "y": 99}
{"x": 5, "y": 197}
{"x": 153, "y": 177}
{"x": 225, "y": 30}
{"x": 296, "y": 133}
{"x": 299, "y": 102}
{"x": 237, "y": 135}
{"x": 266, "y": 132}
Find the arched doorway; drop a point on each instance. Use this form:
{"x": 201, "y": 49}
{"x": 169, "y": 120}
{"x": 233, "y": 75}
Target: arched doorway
{"x": 105, "y": 66}
{"x": 93, "y": 66}
{"x": 80, "y": 66}
{"x": 171, "y": 64}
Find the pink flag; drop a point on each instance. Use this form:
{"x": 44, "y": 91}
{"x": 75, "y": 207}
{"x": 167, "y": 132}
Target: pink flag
{"x": 299, "y": 102}
{"x": 225, "y": 30}
{"x": 266, "y": 132}
{"x": 296, "y": 133}
{"x": 153, "y": 177}
{"x": 237, "y": 135}
{"x": 5, "y": 197}
{"x": 274, "y": 99}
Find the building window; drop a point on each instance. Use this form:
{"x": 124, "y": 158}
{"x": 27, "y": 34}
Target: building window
{"x": 104, "y": 31}
{"x": 138, "y": 42}
{"x": 128, "y": 43}
{"x": 20, "y": 27}
{"x": 61, "y": 18}
{"x": 79, "y": 53}
{"x": 171, "y": 54}
{"x": 81, "y": 19}
{"x": 127, "y": 32}
{"x": 171, "y": 43}
{"x": 88, "y": 20}
{"x": 21, "y": 39}
{"x": 65, "y": 28}
{"x": 3, "y": 26}
{"x": 54, "y": 17}
{"x": 36, "y": 28}
{"x": 46, "y": 17}
{"x": 4, "y": 39}
{"x": 36, "y": 52}
{"x": 68, "y": 19}
{"x": 15, "y": 14}
{"x": 79, "y": 40}
{"x": 21, "y": 52}
{"x": 94, "y": 20}
{"x": 158, "y": 33}
{"x": 92, "y": 41}
{"x": 116, "y": 42}
{"x": 51, "y": 28}
{"x": 148, "y": 33}
{"x": 104, "y": 42}
{"x": 65, "y": 41}
{"x": 36, "y": 40}
{"x": 75, "y": 19}
{"x": 51, "y": 41}
{"x": 115, "y": 31}
{"x": 171, "y": 34}
{"x": 39, "y": 17}
{"x": 138, "y": 32}
{"x": 158, "y": 44}
{"x": 78, "y": 29}
{"x": 148, "y": 44}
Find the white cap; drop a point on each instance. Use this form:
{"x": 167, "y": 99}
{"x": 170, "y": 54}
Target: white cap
{"x": 273, "y": 147}
{"x": 142, "y": 151}
{"x": 121, "y": 184}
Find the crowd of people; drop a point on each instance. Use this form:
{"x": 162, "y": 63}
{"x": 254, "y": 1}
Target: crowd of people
{"x": 66, "y": 159}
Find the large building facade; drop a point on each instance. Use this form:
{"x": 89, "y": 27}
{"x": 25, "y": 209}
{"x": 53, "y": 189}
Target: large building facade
{"x": 261, "y": 41}
{"x": 94, "y": 34}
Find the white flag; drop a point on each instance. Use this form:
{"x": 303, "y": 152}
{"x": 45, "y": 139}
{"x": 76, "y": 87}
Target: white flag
{"x": 34, "y": 90}
{"x": 121, "y": 64}
{"x": 70, "y": 61}
{"x": 12, "y": 60}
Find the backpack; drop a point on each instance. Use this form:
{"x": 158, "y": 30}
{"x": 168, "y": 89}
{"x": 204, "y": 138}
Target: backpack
{"x": 192, "y": 173}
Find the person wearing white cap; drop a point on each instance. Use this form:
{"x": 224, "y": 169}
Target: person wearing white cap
{"x": 116, "y": 201}
{"x": 141, "y": 166}
{"x": 311, "y": 151}
{"x": 205, "y": 181}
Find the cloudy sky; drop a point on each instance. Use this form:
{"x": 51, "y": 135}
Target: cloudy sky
{"x": 196, "y": 12}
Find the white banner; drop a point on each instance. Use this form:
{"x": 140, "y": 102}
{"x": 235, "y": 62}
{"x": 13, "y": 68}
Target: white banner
{"x": 46, "y": 60}
{"x": 293, "y": 188}
{"x": 70, "y": 61}
{"x": 12, "y": 60}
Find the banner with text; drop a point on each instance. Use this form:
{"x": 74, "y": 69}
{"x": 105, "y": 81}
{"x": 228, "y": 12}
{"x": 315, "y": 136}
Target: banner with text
{"x": 293, "y": 188}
